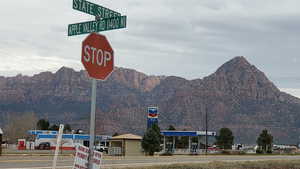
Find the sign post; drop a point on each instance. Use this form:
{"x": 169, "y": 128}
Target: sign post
{"x": 97, "y": 55}
{"x": 59, "y": 137}
{"x": 92, "y": 122}
{"x": 98, "y": 60}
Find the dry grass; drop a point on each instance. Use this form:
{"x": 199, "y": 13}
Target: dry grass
{"x": 284, "y": 164}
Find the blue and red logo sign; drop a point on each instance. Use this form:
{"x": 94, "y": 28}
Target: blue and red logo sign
{"x": 152, "y": 112}
{"x": 152, "y": 116}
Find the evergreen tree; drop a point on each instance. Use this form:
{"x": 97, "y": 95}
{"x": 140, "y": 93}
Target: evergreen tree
{"x": 42, "y": 124}
{"x": 157, "y": 130}
{"x": 225, "y": 138}
{"x": 265, "y": 141}
{"x": 54, "y": 127}
{"x": 67, "y": 128}
{"x": 151, "y": 140}
{"x": 171, "y": 127}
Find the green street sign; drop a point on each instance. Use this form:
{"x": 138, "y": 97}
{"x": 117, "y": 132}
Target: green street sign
{"x": 97, "y": 26}
{"x": 94, "y": 9}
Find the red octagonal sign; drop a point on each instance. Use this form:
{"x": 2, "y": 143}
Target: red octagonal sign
{"x": 97, "y": 56}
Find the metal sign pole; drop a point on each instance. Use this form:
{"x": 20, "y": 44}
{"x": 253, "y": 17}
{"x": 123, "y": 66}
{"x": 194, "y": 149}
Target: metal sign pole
{"x": 92, "y": 123}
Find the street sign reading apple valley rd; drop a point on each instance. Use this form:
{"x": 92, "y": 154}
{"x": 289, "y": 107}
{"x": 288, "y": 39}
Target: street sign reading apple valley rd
{"x": 97, "y": 56}
{"x": 97, "y": 26}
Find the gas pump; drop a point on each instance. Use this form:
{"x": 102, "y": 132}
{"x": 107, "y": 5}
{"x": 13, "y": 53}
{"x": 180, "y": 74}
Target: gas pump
{"x": 169, "y": 147}
{"x": 194, "y": 147}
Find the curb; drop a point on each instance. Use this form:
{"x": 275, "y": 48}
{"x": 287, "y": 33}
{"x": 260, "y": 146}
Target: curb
{"x": 36, "y": 155}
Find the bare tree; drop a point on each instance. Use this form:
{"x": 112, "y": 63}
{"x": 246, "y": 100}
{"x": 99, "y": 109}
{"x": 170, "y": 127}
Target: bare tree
{"x": 18, "y": 125}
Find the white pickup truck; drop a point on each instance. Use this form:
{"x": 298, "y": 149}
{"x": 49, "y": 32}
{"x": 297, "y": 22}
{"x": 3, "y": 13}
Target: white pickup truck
{"x": 101, "y": 148}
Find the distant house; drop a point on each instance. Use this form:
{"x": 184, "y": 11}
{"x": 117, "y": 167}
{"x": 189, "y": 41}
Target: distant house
{"x": 126, "y": 145}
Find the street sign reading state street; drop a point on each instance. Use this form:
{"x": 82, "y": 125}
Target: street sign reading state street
{"x": 97, "y": 56}
{"x": 94, "y": 9}
{"x": 97, "y": 26}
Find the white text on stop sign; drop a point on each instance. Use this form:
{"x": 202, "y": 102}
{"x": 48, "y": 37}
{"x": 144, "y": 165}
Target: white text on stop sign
{"x": 91, "y": 53}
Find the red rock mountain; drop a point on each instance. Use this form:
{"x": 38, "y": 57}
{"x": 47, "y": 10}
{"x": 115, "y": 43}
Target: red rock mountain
{"x": 237, "y": 95}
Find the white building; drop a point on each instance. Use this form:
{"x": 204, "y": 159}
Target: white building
{"x": 68, "y": 140}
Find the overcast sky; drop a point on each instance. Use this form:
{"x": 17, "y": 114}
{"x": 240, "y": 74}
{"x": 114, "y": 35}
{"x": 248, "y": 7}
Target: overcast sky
{"x": 190, "y": 38}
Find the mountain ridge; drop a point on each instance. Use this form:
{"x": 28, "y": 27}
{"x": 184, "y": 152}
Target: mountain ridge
{"x": 237, "y": 95}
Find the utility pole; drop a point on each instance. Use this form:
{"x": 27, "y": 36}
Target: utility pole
{"x": 0, "y": 144}
{"x": 206, "y": 126}
{"x": 1, "y": 133}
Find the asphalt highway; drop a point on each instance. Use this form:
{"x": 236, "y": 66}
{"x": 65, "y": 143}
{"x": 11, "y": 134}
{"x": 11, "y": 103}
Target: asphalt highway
{"x": 66, "y": 162}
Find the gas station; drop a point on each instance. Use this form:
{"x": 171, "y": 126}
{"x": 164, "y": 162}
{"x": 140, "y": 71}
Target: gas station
{"x": 169, "y": 141}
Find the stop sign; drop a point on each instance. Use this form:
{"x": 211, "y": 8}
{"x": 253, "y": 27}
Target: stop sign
{"x": 97, "y": 56}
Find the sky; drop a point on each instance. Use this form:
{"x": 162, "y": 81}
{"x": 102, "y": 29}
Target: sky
{"x": 190, "y": 39}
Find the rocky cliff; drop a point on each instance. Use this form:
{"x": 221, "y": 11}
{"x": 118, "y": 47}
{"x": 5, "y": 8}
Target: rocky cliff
{"x": 237, "y": 95}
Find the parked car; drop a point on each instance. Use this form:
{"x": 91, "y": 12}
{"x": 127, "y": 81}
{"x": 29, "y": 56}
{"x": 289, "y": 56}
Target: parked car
{"x": 101, "y": 148}
{"x": 44, "y": 146}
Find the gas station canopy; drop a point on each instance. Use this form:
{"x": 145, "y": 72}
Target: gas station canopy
{"x": 187, "y": 133}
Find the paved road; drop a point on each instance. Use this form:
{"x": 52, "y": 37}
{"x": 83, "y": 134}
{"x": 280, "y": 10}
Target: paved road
{"x": 66, "y": 162}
